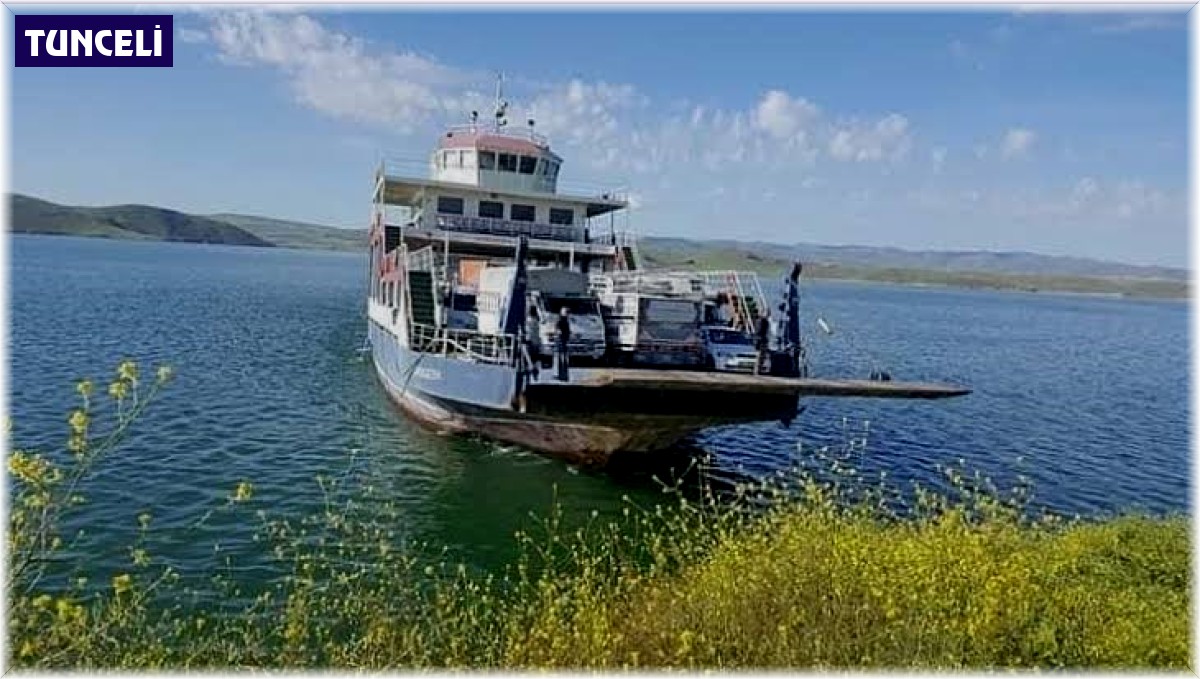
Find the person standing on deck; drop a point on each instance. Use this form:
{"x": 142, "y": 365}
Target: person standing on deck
{"x": 564, "y": 339}
{"x": 762, "y": 340}
{"x": 533, "y": 337}
{"x": 721, "y": 312}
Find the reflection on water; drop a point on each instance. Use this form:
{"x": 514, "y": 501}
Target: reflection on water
{"x": 272, "y": 388}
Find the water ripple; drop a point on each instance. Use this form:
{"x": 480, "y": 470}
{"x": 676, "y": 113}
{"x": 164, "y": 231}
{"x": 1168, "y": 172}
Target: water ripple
{"x": 1092, "y": 393}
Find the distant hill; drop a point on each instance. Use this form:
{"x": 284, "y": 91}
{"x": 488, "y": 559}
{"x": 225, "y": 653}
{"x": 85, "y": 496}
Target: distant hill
{"x": 288, "y": 234}
{"x": 1029, "y": 272}
{"x": 136, "y": 222}
{"x": 896, "y": 258}
{"x": 982, "y": 269}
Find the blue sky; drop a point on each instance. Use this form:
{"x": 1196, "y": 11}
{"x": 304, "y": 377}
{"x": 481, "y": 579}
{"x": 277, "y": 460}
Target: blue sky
{"x": 1054, "y": 133}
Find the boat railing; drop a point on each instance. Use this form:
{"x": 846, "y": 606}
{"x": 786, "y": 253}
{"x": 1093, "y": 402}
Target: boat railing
{"x": 424, "y": 259}
{"x": 743, "y": 291}
{"x": 506, "y": 227}
{"x": 605, "y": 192}
{"x": 741, "y": 283}
{"x": 404, "y": 166}
{"x": 423, "y": 168}
{"x": 460, "y": 343}
{"x": 665, "y": 284}
{"x": 523, "y": 133}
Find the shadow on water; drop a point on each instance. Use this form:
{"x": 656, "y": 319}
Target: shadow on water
{"x": 271, "y": 389}
{"x": 687, "y": 468}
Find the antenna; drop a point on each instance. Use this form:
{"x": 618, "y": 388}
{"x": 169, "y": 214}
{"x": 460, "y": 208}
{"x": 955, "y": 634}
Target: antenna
{"x": 501, "y": 105}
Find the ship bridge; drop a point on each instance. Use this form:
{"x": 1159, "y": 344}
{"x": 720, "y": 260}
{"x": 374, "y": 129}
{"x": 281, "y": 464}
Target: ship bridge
{"x": 483, "y": 187}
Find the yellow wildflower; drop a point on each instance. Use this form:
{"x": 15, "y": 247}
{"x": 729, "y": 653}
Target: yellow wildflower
{"x": 67, "y": 611}
{"x": 140, "y": 558}
{"x": 84, "y": 387}
{"x": 78, "y": 421}
{"x": 32, "y": 469}
{"x": 127, "y": 371}
{"x": 243, "y": 491}
{"x": 122, "y": 583}
{"x": 164, "y": 373}
{"x": 118, "y": 390}
{"x": 42, "y": 601}
{"x": 77, "y": 444}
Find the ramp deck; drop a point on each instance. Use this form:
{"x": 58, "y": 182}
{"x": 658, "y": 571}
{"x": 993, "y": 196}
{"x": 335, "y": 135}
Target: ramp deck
{"x": 689, "y": 380}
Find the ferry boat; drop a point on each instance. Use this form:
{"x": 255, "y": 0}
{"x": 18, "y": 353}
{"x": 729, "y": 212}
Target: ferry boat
{"x": 471, "y": 262}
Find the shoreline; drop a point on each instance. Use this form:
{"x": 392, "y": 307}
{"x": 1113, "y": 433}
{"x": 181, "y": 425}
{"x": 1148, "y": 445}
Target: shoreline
{"x": 1006, "y": 289}
{"x": 998, "y": 285}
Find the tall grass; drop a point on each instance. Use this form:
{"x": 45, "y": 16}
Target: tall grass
{"x": 809, "y": 576}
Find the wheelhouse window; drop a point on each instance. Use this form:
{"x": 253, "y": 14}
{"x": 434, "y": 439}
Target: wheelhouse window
{"x": 522, "y": 213}
{"x": 490, "y": 208}
{"x": 487, "y": 160}
{"x": 562, "y": 216}
{"x": 468, "y": 159}
{"x": 528, "y": 164}
{"x": 508, "y": 162}
{"x": 450, "y": 205}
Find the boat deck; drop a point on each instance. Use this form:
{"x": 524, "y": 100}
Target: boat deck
{"x": 694, "y": 380}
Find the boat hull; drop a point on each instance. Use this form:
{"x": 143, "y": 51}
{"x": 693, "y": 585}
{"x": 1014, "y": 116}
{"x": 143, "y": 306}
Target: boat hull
{"x": 453, "y": 396}
{"x": 600, "y": 411}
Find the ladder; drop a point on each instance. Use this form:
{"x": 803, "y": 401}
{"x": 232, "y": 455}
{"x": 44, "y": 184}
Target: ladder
{"x": 627, "y": 255}
{"x": 420, "y": 292}
{"x": 742, "y": 310}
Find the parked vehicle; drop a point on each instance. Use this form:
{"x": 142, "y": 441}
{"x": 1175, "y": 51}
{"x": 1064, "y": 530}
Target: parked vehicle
{"x": 550, "y": 290}
{"x": 652, "y": 319}
{"x": 729, "y": 350}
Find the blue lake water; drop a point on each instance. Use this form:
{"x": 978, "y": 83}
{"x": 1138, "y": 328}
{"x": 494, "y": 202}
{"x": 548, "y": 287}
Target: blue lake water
{"x": 1088, "y": 397}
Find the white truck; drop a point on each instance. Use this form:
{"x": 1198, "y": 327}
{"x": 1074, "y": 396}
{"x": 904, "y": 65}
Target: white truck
{"x": 549, "y": 291}
{"x": 652, "y": 319}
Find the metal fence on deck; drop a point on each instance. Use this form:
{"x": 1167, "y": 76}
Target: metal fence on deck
{"x": 423, "y": 168}
{"x": 466, "y": 344}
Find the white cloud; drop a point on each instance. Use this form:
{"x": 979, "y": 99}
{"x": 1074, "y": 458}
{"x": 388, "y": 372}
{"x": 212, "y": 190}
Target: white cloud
{"x": 611, "y": 128}
{"x": 938, "y": 157}
{"x": 1143, "y": 22}
{"x": 1135, "y": 199}
{"x": 1017, "y": 142}
{"x": 887, "y": 139}
{"x": 192, "y": 36}
{"x": 339, "y": 75}
{"x": 1085, "y": 191}
{"x": 603, "y": 125}
{"x": 582, "y": 114}
{"x": 1087, "y": 200}
{"x": 783, "y": 117}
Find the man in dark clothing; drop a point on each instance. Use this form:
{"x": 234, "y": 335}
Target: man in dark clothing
{"x": 533, "y": 337}
{"x": 564, "y": 339}
{"x": 762, "y": 340}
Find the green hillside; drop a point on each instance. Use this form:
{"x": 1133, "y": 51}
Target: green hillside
{"x": 287, "y": 234}
{"x": 700, "y": 255}
{"x": 1031, "y": 272}
{"x": 133, "y": 222}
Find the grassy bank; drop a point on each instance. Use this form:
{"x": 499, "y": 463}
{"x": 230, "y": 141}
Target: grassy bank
{"x": 712, "y": 257}
{"x": 814, "y": 576}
